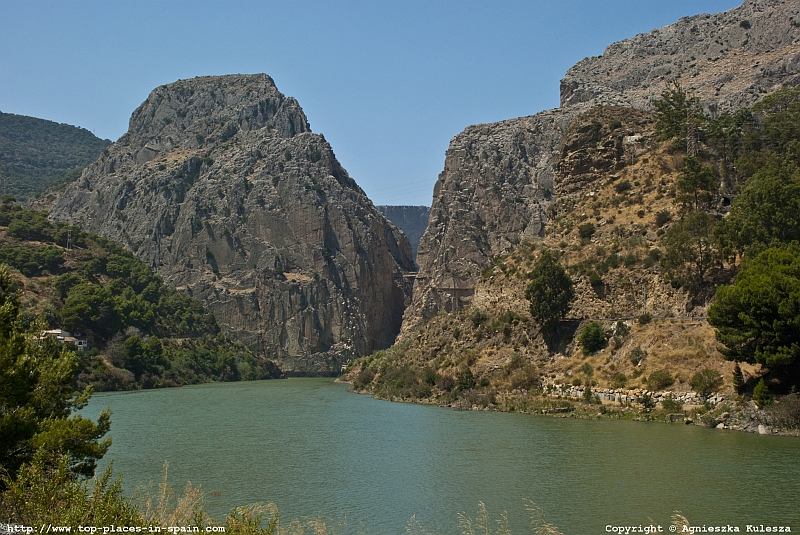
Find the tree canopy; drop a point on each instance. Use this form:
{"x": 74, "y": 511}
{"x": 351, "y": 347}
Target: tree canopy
{"x": 758, "y": 317}
{"x": 550, "y": 291}
{"x": 37, "y": 400}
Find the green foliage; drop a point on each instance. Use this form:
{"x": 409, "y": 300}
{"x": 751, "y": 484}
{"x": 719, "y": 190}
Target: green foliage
{"x": 465, "y": 380}
{"x": 586, "y": 230}
{"x": 623, "y": 186}
{"x": 659, "y": 380}
{"x": 645, "y": 318}
{"x": 32, "y": 261}
{"x": 758, "y": 318}
{"x": 691, "y": 250}
{"x": 620, "y": 380}
{"x": 705, "y": 382}
{"x": 696, "y": 184}
{"x": 550, "y": 291}
{"x": 478, "y": 317}
{"x": 761, "y": 395}
{"x": 637, "y": 355}
{"x": 671, "y": 405}
{"x": 592, "y": 338}
{"x": 766, "y": 213}
{"x": 46, "y": 491}
{"x": 675, "y": 112}
{"x": 35, "y": 153}
{"x": 37, "y": 398}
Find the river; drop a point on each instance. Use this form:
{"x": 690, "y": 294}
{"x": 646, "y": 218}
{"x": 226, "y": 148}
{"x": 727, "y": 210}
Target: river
{"x": 314, "y": 449}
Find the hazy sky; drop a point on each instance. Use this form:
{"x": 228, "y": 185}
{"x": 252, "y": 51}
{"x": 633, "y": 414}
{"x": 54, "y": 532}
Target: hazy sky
{"x": 387, "y": 83}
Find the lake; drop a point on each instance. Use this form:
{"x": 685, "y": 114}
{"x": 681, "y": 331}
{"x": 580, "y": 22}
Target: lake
{"x": 314, "y": 449}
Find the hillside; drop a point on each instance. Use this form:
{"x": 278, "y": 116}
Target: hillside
{"x": 141, "y": 333}
{"x": 498, "y": 180}
{"x": 221, "y": 186}
{"x": 35, "y": 153}
{"x": 653, "y": 214}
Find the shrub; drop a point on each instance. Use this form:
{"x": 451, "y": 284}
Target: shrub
{"x": 478, "y": 317}
{"x": 620, "y": 380}
{"x": 706, "y": 381}
{"x": 659, "y": 380}
{"x": 637, "y": 355}
{"x": 446, "y": 383}
{"x": 663, "y": 217}
{"x": 364, "y": 378}
{"x": 645, "y": 318}
{"x": 786, "y": 412}
{"x": 622, "y": 187}
{"x": 525, "y": 378}
{"x": 592, "y": 337}
{"x": 672, "y": 405}
{"x": 465, "y": 380}
{"x": 761, "y": 394}
{"x": 586, "y": 230}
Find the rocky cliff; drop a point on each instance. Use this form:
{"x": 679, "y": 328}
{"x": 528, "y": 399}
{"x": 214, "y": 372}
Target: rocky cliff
{"x": 220, "y": 185}
{"x": 498, "y": 181}
{"x": 412, "y": 220}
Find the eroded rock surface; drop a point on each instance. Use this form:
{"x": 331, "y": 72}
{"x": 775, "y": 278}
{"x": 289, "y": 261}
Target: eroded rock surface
{"x": 499, "y": 179}
{"x": 220, "y": 185}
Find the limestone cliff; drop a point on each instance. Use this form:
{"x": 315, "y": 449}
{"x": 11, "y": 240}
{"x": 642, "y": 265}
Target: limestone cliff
{"x": 498, "y": 179}
{"x": 220, "y": 185}
{"x": 412, "y": 220}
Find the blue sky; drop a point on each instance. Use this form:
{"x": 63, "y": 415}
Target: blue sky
{"x": 387, "y": 83}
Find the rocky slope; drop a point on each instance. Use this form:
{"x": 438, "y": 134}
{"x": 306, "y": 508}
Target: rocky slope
{"x": 220, "y": 185}
{"x": 412, "y": 220}
{"x": 498, "y": 179}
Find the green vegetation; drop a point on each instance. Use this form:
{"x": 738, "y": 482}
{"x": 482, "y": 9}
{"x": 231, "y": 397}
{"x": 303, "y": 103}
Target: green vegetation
{"x": 592, "y": 337}
{"x": 37, "y": 398}
{"x": 35, "y": 153}
{"x": 757, "y": 317}
{"x": 144, "y": 334}
{"x": 550, "y": 291}
{"x": 659, "y": 380}
{"x": 706, "y": 382}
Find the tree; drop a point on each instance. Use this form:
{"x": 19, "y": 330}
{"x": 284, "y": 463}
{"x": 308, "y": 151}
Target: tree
{"x": 37, "y": 400}
{"x": 550, "y": 291}
{"x": 696, "y": 184}
{"x": 758, "y": 318}
{"x": 690, "y": 249}
{"x": 676, "y": 113}
{"x": 766, "y": 213}
{"x": 592, "y": 337}
{"x": 761, "y": 394}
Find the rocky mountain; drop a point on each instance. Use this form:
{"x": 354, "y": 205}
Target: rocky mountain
{"x": 34, "y": 153}
{"x": 412, "y": 220}
{"x": 220, "y": 185}
{"x": 499, "y": 179}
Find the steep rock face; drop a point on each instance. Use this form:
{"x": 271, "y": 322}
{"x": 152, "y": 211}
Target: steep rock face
{"x": 220, "y": 185}
{"x": 729, "y": 60}
{"x": 492, "y": 195}
{"x": 412, "y": 220}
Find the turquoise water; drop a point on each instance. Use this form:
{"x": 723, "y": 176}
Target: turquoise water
{"x": 315, "y": 449}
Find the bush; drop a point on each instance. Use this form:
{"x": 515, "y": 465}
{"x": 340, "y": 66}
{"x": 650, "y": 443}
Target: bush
{"x": 706, "y": 381}
{"x": 659, "y": 380}
{"x": 622, "y": 187}
{"x": 478, "y": 317}
{"x": 465, "y": 380}
{"x": 586, "y": 231}
{"x": 592, "y": 337}
{"x": 637, "y": 355}
{"x": 785, "y": 413}
{"x": 672, "y": 405}
{"x": 620, "y": 380}
{"x": 446, "y": 383}
{"x": 645, "y": 318}
{"x": 761, "y": 394}
{"x": 663, "y": 217}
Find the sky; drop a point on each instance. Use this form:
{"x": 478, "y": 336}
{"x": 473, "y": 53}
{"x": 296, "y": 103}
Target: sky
{"x": 388, "y": 83}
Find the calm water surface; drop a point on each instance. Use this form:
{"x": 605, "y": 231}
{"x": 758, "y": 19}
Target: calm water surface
{"x": 316, "y": 450}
